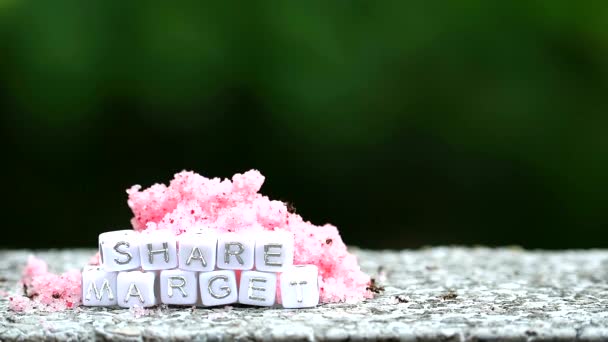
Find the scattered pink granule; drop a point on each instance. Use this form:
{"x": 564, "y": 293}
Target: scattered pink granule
{"x": 137, "y": 311}
{"x": 95, "y": 260}
{"x": 47, "y": 291}
{"x": 192, "y": 200}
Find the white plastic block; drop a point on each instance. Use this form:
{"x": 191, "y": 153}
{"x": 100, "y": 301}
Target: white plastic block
{"x": 158, "y": 250}
{"x": 235, "y": 251}
{"x": 300, "y": 287}
{"x": 258, "y": 288}
{"x": 218, "y": 287}
{"x": 197, "y": 250}
{"x": 119, "y": 250}
{"x": 136, "y": 288}
{"x": 178, "y": 287}
{"x": 274, "y": 251}
{"x": 98, "y": 287}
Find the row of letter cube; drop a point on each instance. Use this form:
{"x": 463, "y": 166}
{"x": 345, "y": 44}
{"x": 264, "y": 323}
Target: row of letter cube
{"x": 197, "y": 250}
{"x": 298, "y": 284}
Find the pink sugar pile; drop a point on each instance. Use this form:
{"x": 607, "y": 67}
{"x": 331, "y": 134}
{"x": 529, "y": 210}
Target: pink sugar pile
{"x": 192, "y": 200}
{"x": 45, "y": 290}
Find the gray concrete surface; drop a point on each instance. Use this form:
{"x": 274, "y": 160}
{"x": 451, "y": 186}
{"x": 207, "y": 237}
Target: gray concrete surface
{"x": 435, "y": 294}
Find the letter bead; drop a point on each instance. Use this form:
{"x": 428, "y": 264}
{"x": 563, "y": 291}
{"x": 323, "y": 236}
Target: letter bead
{"x": 119, "y": 250}
{"x": 218, "y": 287}
{"x": 235, "y": 251}
{"x": 158, "y": 250}
{"x": 274, "y": 251}
{"x": 197, "y": 250}
{"x": 258, "y": 288}
{"x": 300, "y": 287}
{"x": 98, "y": 287}
{"x": 178, "y": 287}
{"x": 136, "y": 288}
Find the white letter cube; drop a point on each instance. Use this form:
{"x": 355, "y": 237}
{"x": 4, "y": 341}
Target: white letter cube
{"x": 258, "y": 288}
{"x": 300, "y": 287}
{"x": 158, "y": 250}
{"x": 98, "y": 287}
{"x": 235, "y": 251}
{"x": 136, "y": 288}
{"x": 119, "y": 250}
{"x": 178, "y": 287}
{"x": 274, "y": 251}
{"x": 197, "y": 250}
{"x": 218, "y": 287}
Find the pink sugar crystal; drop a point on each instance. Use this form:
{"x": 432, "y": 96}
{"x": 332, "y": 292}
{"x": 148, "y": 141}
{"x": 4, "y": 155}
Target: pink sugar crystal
{"x": 192, "y": 200}
{"x": 137, "y": 311}
{"x": 47, "y": 291}
{"x": 33, "y": 268}
{"x": 95, "y": 260}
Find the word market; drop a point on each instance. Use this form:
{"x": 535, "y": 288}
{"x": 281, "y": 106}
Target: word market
{"x": 199, "y": 267}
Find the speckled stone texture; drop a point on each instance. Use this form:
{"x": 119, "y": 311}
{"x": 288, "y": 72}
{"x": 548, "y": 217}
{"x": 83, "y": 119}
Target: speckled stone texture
{"x": 435, "y": 294}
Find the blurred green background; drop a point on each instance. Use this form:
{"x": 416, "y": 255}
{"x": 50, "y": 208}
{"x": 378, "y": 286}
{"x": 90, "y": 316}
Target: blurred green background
{"x": 403, "y": 123}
